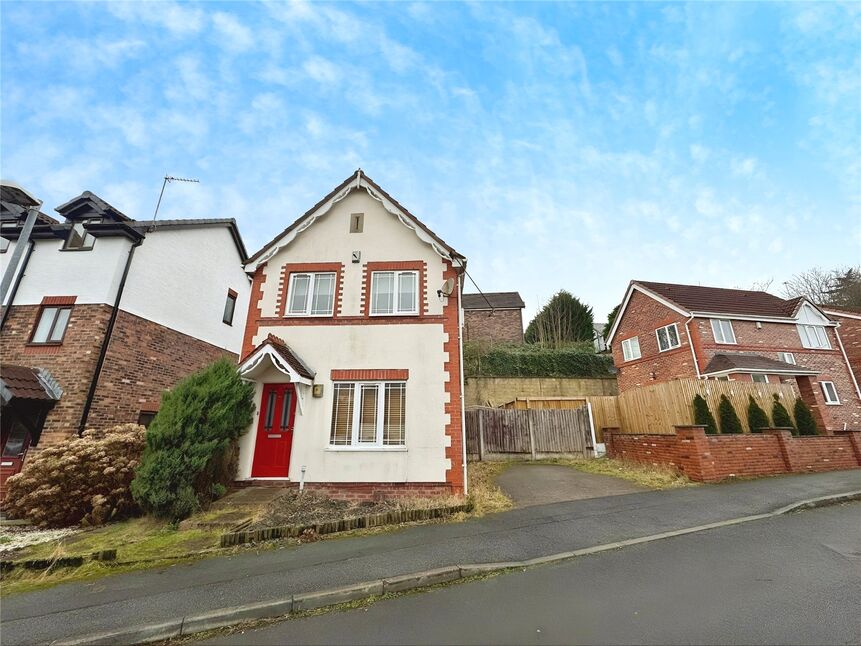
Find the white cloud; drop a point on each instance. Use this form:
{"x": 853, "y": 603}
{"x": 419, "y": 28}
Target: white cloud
{"x": 744, "y": 167}
{"x": 179, "y": 19}
{"x": 699, "y": 153}
{"x": 322, "y": 70}
{"x": 231, "y": 34}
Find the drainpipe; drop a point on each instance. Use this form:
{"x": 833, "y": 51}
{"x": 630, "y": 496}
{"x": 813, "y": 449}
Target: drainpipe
{"x": 691, "y": 343}
{"x": 462, "y": 391}
{"x": 846, "y": 359}
{"x": 30, "y": 246}
{"x": 26, "y": 230}
{"x": 107, "y": 340}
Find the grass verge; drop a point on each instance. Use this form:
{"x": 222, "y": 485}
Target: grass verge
{"x": 486, "y": 496}
{"x": 645, "y": 475}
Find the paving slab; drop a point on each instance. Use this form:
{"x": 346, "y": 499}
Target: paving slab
{"x": 542, "y": 484}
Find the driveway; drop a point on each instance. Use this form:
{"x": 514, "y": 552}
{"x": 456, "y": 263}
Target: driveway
{"x": 542, "y": 484}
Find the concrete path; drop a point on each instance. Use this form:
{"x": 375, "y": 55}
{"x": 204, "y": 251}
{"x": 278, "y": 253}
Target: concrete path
{"x": 793, "y": 579}
{"x": 132, "y": 599}
{"x": 542, "y": 484}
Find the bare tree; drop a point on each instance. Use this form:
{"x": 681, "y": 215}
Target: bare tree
{"x": 816, "y": 284}
{"x": 761, "y": 285}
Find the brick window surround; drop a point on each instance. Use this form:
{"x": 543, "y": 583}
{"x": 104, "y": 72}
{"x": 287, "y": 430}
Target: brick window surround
{"x": 310, "y": 268}
{"x": 50, "y": 301}
{"x": 397, "y": 265}
{"x": 370, "y": 375}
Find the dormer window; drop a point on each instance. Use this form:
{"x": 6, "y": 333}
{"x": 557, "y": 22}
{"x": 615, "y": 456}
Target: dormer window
{"x": 79, "y": 239}
{"x": 814, "y": 336}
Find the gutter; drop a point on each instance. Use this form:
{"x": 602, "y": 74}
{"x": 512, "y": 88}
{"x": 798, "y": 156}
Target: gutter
{"x": 18, "y": 277}
{"x": 462, "y": 385}
{"x": 107, "y": 340}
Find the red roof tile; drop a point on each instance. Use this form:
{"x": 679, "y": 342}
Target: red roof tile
{"x": 718, "y": 300}
{"x": 23, "y": 383}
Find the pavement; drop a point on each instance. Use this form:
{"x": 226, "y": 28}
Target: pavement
{"x": 153, "y": 596}
{"x": 793, "y": 579}
{"x": 542, "y": 484}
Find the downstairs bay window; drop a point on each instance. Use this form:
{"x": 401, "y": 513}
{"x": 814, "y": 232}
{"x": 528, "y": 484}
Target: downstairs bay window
{"x": 368, "y": 415}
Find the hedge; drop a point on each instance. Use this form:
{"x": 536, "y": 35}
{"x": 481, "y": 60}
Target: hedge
{"x": 530, "y": 360}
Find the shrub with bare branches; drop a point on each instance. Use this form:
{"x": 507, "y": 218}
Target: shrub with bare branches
{"x": 81, "y": 481}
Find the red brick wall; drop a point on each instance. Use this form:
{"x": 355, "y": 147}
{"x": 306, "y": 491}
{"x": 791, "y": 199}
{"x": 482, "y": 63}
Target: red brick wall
{"x": 454, "y": 408}
{"x": 712, "y": 458}
{"x": 641, "y": 318}
{"x": 72, "y": 363}
{"x": 143, "y": 360}
{"x": 850, "y": 334}
{"x": 501, "y": 326}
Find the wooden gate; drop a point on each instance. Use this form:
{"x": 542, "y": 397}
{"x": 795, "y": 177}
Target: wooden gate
{"x": 494, "y": 433}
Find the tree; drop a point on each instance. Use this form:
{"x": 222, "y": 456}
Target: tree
{"x": 840, "y": 286}
{"x": 729, "y": 421}
{"x": 611, "y": 318}
{"x": 780, "y": 415}
{"x": 703, "y": 416}
{"x": 191, "y": 450}
{"x": 804, "y": 419}
{"x": 564, "y": 319}
{"x": 757, "y": 418}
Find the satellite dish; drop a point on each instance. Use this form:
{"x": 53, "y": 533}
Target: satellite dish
{"x": 447, "y": 288}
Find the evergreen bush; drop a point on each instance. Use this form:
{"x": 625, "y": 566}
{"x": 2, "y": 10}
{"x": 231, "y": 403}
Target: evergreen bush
{"x": 80, "y": 481}
{"x": 526, "y": 360}
{"x": 729, "y": 421}
{"x": 757, "y": 418}
{"x": 780, "y": 415}
{"x": 703, "y": 416}
{"x": 191, "y": 450}
{"x": 804, "y": 419}
{"x": 564, "y": 319}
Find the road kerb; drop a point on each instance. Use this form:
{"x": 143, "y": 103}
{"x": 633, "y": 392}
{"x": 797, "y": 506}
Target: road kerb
{"x": 297, "y": 603}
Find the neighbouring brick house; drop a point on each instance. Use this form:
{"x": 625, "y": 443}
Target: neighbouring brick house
{"x": 849, "y": 330}
{"x": 353, "y": 340}
{"x": 108, "y": 312}
{"x": 666, "y": 331}
{"x": 494, "y": 316}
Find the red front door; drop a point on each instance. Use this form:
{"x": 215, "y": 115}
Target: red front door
{"x": 16, "y": 441}
{"x": 274, "y": 431}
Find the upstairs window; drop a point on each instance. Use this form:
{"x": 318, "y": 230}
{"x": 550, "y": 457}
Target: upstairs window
{"x": 830, "y": 392}
{"x": 4, "y": 245}
{"x": 786, "y": 357}
{"x": 79, "y": 239}
{"x": 814, "y": 336}
{"x": 723, "y": 332}
{"x": 394, "y": 292}
{"x": 759, "y": 379}
{"x": 51, "y": 327}
{"x": 668, "y": 337}
{"x": 368, "y": 414}
{"x": 631, "y": 348}
{"x": 311, "y": 294}
{"x": 229, "y": 307}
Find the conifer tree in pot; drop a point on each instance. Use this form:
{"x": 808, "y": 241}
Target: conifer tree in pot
{"x": 780, "y": 415}
{"x": 757, "y": 418}
{"x": 703, "y": 416}
{"x": 804, "y": 419}
{"x": 729, "y": 421}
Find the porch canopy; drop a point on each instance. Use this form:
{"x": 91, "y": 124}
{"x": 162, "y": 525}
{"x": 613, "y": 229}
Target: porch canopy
{"x": 274, "y": 352}
{"x": 26, "y": 394}
{"x": 740, "y": 362}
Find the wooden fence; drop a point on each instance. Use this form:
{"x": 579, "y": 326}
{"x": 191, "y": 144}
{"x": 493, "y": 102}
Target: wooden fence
{"x": 660, "y": 407}
{"x": 605, "y": 410}
{"x": 499, "y": 432}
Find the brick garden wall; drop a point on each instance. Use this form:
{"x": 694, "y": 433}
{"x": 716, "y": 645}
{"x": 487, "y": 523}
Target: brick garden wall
{"x": 709, "y": 458}
{"x": 501, "y": 326}
{"x": 365, "y": 491}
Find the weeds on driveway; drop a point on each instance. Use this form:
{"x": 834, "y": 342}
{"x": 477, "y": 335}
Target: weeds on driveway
{"x": 486, "y": 496}
{"x": 645, "y": 475}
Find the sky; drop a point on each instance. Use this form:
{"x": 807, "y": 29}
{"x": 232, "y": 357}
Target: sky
{"x": 568, "y": 146}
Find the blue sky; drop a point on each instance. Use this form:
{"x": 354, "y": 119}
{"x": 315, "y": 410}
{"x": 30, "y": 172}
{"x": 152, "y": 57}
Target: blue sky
{"x": 571, "y": 146}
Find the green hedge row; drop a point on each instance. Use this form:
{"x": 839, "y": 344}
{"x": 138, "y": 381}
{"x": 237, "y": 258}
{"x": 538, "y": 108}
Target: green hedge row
{"x": 534, "y": 361}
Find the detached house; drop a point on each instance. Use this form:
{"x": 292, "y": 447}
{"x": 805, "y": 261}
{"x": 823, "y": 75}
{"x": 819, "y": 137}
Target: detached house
{"x": 493, "y": 316}
{"x": 353, "y": 340}
{"x": 666, "y": 331}
{"x": 105, "y": 313}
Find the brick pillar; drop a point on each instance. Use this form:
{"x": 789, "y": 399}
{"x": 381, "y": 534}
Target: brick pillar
{"x": 608, "y": 432}
{"x": 855, "y": 441}
{"x": 808, "y": 395}
{"x": 694, "y": 453}
{"x": 784, "y": 437}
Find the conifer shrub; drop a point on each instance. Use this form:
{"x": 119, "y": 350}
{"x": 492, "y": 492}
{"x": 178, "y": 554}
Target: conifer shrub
{"x": 703, "y": 415}
{"x": 780, "y": 415}
{"x": 804, "y": 419}
{"x": 757, "y": 418}
{"x": 191, "y": 447}
{"x": 729, "y": 421}
{"x": 80, "y": 481}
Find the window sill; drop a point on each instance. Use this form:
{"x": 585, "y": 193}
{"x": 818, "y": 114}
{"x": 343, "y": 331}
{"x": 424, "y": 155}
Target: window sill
{"x": 365, "y": 449}
{"x": 832, "y": 403}
{"x": 81, "y": 249}
{"x": 309, "y": 316}
{"x": 675, "y": 347}
{"x": 395, "y": 314}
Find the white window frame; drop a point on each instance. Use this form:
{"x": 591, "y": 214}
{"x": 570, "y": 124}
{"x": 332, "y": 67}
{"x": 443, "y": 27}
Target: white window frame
{"x": 787, "y": 357}
{"x": 719, "y": 332}
{"x": 828, "y": 400}
{"x": 309, "y": 297}
{"x": 678, "y": 337}
{"x": 756, "y": 374}
{"x": 377, "y": 444}
{"x": 397, "y": 274}
{"x": 627, "y": 349}
{"x": 86, "y": 236}
{"x": 813, "y": 336}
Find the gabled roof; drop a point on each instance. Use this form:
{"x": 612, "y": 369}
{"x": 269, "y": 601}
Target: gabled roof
{"x": 90, "y": 205}
{"x": 164, "y": 225}
{"x": 847, "y": 312}
{"x": 719, "y": 300}
{"x": 493, "y": 300}
{"x": 729, "y": 362}
{"x": 283, "y": 352}
{"x": 17, "y": 214}
{"x": 358, "y": 180}
{"x": 21, "y": 382}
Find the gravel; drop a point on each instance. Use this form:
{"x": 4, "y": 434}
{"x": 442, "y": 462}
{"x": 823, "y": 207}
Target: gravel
{"x": 14, "y": 538}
